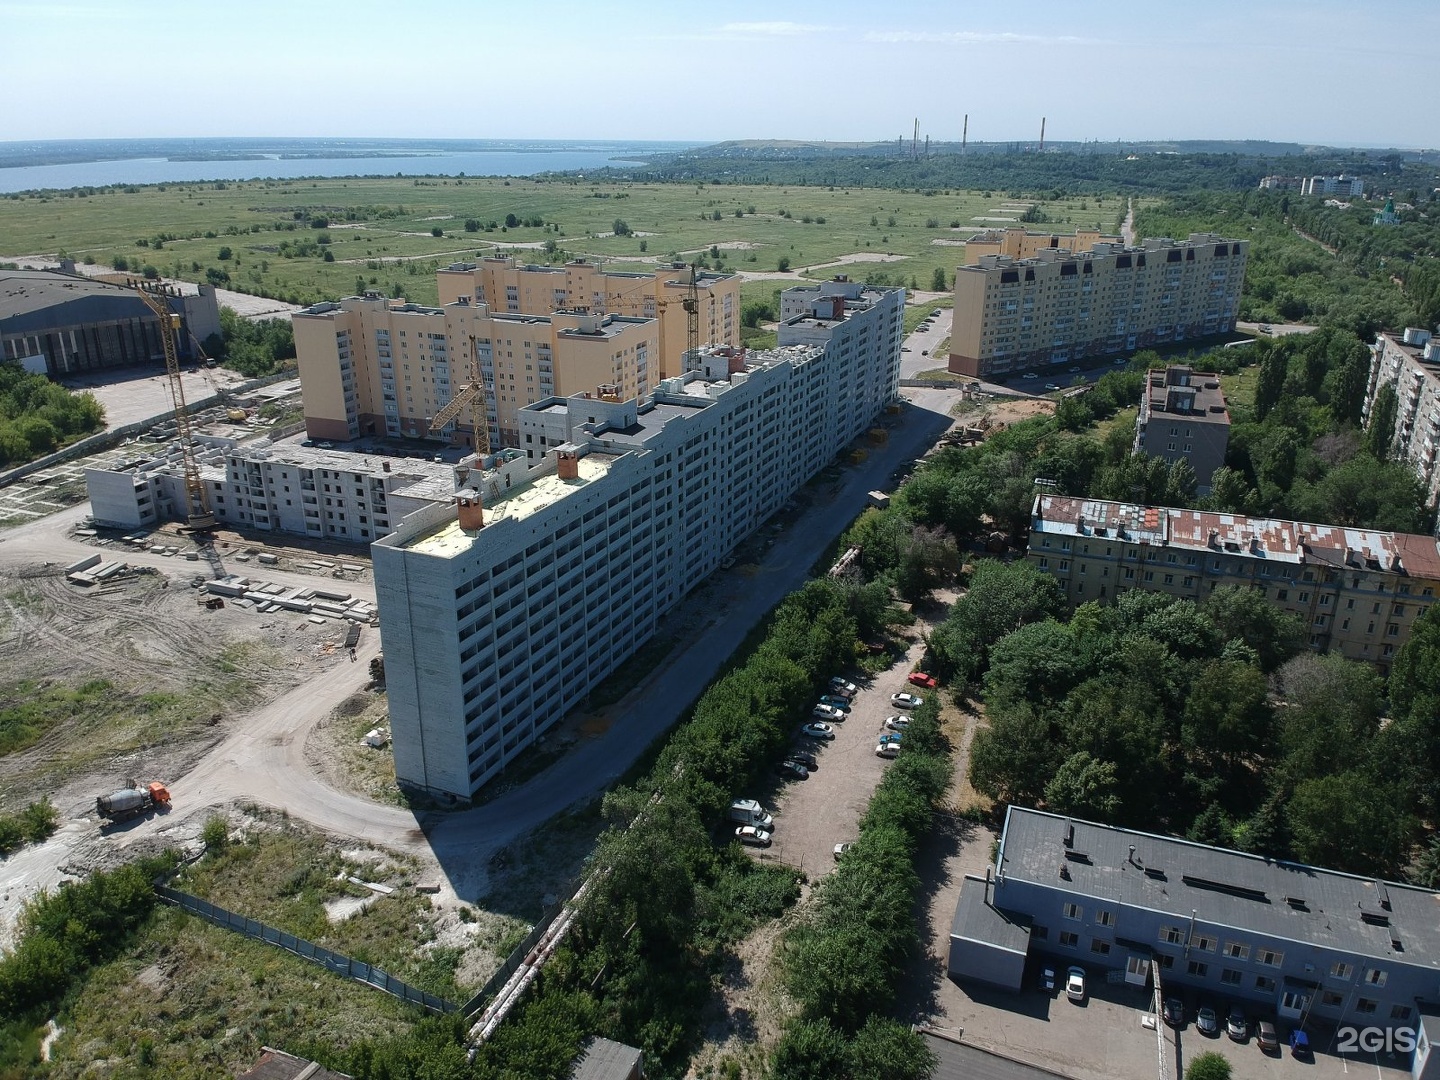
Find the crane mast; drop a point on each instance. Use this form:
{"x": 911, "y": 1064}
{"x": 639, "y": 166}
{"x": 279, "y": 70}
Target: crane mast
{"x": 472, "y": 395}
{"x": 197, "y": 501}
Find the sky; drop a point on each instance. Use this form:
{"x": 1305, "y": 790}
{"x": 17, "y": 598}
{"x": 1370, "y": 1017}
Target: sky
{"x": 1307, "y": 71}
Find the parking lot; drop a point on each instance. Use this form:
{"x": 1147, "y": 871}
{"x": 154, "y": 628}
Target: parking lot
{"x": 813, "y": 815}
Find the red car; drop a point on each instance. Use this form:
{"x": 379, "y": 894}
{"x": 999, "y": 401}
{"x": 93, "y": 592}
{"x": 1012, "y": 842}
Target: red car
{"x": 919, "y": 678}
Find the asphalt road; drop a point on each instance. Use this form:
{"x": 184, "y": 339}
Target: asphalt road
{"x": 264, "y": 760}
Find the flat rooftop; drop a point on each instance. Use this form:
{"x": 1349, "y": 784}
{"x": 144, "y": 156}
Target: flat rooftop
{"x": 1288, "y": 901}
{"x": 1176, "y": 391}
{"x": 25, "y": 291}
{"x": 1270, "y": 539}
{"x": 520, "y": 502}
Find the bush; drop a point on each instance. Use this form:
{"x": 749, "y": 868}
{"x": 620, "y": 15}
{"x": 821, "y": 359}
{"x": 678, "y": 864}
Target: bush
{"x": 1209, "y": 1065}
{"x": 216, "y": 834}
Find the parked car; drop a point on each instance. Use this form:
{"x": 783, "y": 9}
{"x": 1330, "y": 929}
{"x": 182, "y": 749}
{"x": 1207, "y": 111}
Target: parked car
{"x": 1174, "y": 1012}
{"x": 1052, "y": 386}
{"x": 1031, "y": 375}
{"x": 924, "y": 352}
{"x": 325, "y": 445}
{"x": 906, "y": 701}
{"x": 818, "y": 730}
{"x": 792, "y": 770}
{"x": 1075, "y": 984}
{"x": 1265, "y": 1036}
{"x": 841, "y": 849}
{"x": 1206, "y": 1022}
{"x": 1119, "y": 361}
{"x": 1236, "y": 1024}
{"x": 891, "y": 737}
{"x": 919, "y": 678}
{"x": 1047, "y": 980}
{"x": 827, "y": 712}
{"x": 804, "y": 757}
{"x": 887, "y": 750}
{"x": 752, "y": 836}
{"x": 937, "y": 313}
{"x": 898, "y": 723}
{"x": 836, "y": 702}
{"x": 1074, "y": 371}
{"x": 845, "y": 689}
{"x": 1299, "y": 1044}
{"x": 307, "y": 442}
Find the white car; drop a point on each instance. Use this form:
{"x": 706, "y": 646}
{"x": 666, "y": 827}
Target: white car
{"x": 905, "y": 701}
{"x": 840, "y": 686}
{"x": 818, "y": 730}
{"x": 752, "y": 836}
{"x": 1075, "y": 984}
{"x": 841, "y": 849}
{"x": 898, "y": 723}
{"x": 827, "y": 712}
{"x": 887, "y": 750}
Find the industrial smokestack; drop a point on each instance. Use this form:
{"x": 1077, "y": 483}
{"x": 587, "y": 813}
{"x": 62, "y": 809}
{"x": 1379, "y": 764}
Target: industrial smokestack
{"x": 965, "y": 133}
{"x": 1042, "y": 134}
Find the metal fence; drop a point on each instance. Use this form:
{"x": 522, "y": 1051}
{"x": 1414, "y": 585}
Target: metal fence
{"x": 362, "y": 972}
{"x": 518, "y": 954}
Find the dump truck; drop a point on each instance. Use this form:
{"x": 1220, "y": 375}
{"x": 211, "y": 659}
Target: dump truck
{"x": 132, "y": 801}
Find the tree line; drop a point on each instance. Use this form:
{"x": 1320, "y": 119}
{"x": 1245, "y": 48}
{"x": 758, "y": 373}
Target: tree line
{"x": 38, "y": 416}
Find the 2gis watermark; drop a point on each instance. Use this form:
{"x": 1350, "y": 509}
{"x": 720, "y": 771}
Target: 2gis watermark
{"x": 1376, "y": 1040}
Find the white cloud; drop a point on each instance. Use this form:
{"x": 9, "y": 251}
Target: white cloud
{"x": 973, "y": 37}
{"x": 771, "y": 29}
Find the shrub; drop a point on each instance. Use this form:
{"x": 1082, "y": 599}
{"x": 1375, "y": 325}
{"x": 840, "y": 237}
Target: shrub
{"x": 1208, "y": 1066}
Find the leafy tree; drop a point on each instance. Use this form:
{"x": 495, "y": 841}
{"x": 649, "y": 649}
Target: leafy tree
{"x": 930, "y": 560}
{"x": 1208, "y": 1065}
{"x": 1084, "y": 786}
{"x": 810, "y": 1050}
{"x": 783, "y": 265}
{"x": 1012, "y": 757}
{"x": 1245, "y": 614}
{"x": 511, "y": 221}
{"x": 938, "y": 280}
{"x": 1382, "y": 423}
{"x": 1350, "y": 821}
{"x": 472, "y": 225}
{"x": 1002, "y": 597}
{"x": 620, "y": 228}
{"x": 887, "y": 1050}
{"x": 1274, "y": 366}
{"x": 224, "y": 254}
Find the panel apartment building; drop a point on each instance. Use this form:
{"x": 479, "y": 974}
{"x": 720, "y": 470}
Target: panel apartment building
{"x": 1307, "y": 943}
{"x": 1058, "y": 307}
{"x": 322, "y": 494}
{"x": 499, "y": 618}
{"x": 587, "y": 287}
{"x": 1183, "y": 418}
{"x": 1410, "y": 365}
{"x": 1356, "y": 591}
{"x": 370, "y": 366}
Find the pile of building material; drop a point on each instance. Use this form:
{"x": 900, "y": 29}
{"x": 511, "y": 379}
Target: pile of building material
{"x": 92, "y": 570}
{"x": 317, "y": 603}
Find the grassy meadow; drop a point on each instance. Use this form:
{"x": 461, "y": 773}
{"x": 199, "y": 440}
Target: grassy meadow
{"x": 381, "y": 232}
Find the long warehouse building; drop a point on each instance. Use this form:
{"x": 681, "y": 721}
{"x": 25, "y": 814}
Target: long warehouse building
{"x": 502, "y": 611}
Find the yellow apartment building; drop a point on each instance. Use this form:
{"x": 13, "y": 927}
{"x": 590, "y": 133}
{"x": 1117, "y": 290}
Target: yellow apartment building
{"x": 1017, "y": 243}
{"x": 506, "y": 285}
{"x": 1356, "y": 591}
{"x": 1059, "y": 307}
{"x": 370, "y": 366}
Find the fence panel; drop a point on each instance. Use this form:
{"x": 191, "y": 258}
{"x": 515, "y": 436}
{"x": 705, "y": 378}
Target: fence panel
{"x": 336, "y": 962}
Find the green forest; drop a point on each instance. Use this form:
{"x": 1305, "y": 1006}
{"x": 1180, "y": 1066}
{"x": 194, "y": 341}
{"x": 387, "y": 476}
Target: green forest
{"x": 38, "y": 416}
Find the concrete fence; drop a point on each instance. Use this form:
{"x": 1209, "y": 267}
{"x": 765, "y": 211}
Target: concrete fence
{"x": 357, "y": 970}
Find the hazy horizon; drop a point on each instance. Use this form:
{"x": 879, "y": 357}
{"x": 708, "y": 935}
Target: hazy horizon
{"x": 840, "y": 71}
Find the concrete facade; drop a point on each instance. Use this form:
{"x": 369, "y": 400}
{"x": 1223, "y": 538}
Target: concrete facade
{"x": 501, "y": 612}
{"x": 1410, "y": 365}
{"x": 1299, "y": 941}
{"x": 322, "y": 494}
{"x": 1017, "y": 243}
{"x": 506, "y": 285}
{"x": 1183, "y": 418}
{"x": 1059, "y": 307}
{"x": 1356, "y": 591}
{"x": 373, "y": 366}
{"x": 83, "y": 326}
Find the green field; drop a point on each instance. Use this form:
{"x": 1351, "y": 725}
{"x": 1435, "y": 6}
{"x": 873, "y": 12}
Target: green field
{"x": 379, "y": 231}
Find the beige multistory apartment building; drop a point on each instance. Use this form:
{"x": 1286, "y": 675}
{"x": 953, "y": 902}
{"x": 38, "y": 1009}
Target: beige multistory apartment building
{"x": 528, "y": 289}
{"x": 1017, "y": 243}
{"x": 370, "y": 366}
{"x": 1356, "y": 591}
{"x": 1059, "y": 307}
{"x": 1410, "y": 365}
{"x": 1183, "y": 418}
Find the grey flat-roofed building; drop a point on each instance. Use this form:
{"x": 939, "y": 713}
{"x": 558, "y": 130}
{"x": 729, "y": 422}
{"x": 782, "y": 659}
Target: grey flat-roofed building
{"x": 78, "y": 324}
{"x": 987, "y": 944}
{"x": 1302, "y": 941}
{"x": 604, "y": 1059}
{"x": 1183, "y": 418}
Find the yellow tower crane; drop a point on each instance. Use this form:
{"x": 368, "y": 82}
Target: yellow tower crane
{"x": 472, "y": 395}
{"x": 197, "y": 502}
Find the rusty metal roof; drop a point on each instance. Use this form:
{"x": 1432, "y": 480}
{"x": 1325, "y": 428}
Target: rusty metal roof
{"x": 1270, "y": 539}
